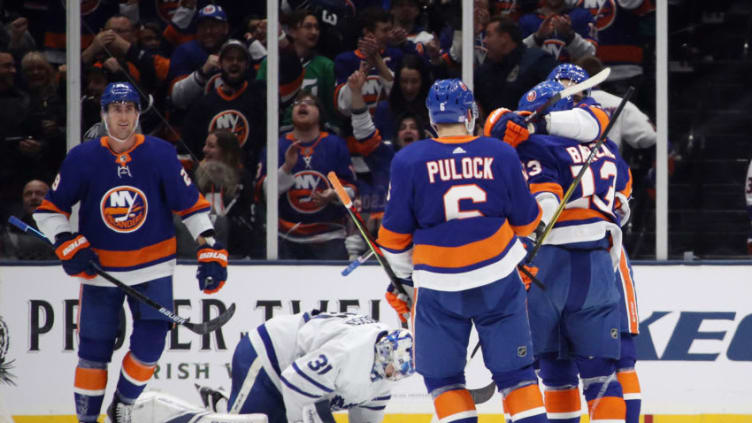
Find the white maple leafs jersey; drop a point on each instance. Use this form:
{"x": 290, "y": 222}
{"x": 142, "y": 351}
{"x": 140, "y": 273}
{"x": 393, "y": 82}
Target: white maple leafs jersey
{"x": 325, "y": 357}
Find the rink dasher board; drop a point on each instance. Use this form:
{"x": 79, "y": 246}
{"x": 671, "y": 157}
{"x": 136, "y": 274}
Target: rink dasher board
{"x": 695, "y": 347}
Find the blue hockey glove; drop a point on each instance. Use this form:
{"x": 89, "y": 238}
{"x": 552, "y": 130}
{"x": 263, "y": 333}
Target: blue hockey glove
{"x": 212, "y": 266}
{"x": 75, "y": 253}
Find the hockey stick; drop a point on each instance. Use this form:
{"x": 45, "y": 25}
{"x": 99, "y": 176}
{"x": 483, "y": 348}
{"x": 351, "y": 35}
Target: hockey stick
{"x": 357, "y": 219}
{"x": 578, "y": 178}
{"x": 566, "y": 92}
{"x": 479, "y": 395}
{"x": 199, "y": 328}
{"x": 357, "y": 262}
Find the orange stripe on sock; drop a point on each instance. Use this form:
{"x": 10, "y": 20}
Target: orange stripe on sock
{"x": 453, "y": 402}
{"x": 90, "y": 379}
{"x": 630, "y": 384}
{"x": 562, "y": 401}
{"x": 136, "y": 370}
{"x": 609, "y": 408}
{"x": 523, "y": 399}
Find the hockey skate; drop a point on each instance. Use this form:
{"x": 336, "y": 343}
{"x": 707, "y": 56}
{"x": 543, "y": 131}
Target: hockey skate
{"x": 213, "y": 399}
{"x": 119, "y": 412}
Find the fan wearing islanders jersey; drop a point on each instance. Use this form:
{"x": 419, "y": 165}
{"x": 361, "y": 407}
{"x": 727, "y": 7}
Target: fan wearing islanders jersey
{"x": 575, "y": 322}
{"x": 128, "y": 186}
{"x": 311, "y": 223}
{"x": 456, "y": 207}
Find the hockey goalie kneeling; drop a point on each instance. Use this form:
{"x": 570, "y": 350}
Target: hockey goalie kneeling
{"x": 159, "y": 407}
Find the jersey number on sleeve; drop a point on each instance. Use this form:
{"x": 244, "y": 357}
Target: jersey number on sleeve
{"x": 604, "y": 202}
{"x": 455, "y": 194}
{"x": 320, "y": 365}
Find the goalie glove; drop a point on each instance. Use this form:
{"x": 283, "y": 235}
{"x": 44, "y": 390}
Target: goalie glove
{"x": 76, "y": 255}
{"x": 401, "y": 303}
{"x": 212, "y": 266}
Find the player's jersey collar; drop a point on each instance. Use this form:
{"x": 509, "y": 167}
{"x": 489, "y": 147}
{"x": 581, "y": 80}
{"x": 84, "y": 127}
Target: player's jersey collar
{"x": 455, "y": 139}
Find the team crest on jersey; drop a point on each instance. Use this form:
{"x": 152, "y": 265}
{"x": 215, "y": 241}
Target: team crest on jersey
{"x": 88, "y": 6}
{"x": 603, "y": 11}
{"x": 124, "y": 208}
{"x": 300, "y": 195}
{"x": 531, "y": 95}
{"x": 232, "y": 120}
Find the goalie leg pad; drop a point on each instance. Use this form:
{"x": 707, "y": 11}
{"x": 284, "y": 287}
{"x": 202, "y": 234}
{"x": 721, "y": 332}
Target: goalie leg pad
{"x": 252, "y": 389}
{"x": 159, "y": 407}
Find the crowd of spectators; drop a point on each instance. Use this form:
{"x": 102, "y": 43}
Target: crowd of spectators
{"x": 353, "y": 81}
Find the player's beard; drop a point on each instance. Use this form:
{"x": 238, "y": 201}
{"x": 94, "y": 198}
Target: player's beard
{"x": 233, "y": 82}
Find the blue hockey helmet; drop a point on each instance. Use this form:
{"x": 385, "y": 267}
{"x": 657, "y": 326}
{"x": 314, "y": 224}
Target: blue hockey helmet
{"x": 120, "y": 92}
{"x": 570, "y": 72}
{"x": 449, "y": 101}
{"x": 540, "y": 94}
{"x": 396, "y": 349}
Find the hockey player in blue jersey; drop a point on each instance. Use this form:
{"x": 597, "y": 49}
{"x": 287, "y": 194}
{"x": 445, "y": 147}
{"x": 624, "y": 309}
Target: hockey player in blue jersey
{"x": 456, "y": 207}
{"x": 575, "y": 321}
{"x": 128, "y": 185}
{"x": 301, "y": 367}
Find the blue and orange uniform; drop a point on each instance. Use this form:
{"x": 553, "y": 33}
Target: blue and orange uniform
{"x": 575, "y": 322}
{"x": 457, "y": 205}
{"x": 126, "y": 205}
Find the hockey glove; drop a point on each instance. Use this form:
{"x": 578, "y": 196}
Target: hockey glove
{"x": 75, "y": 252}
{"x": 400, "y": 302}
{"x": 212, "y": 266}
{"x": 525, "y": 272}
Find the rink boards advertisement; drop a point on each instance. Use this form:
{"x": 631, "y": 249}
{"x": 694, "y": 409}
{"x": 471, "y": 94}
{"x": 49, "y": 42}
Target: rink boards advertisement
{"x": 695, "y": 345}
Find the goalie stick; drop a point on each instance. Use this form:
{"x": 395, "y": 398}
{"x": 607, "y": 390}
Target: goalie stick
{"x": 199, "y": 328}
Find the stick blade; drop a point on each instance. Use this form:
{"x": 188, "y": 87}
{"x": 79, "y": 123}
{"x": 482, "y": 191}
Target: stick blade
{"x": 481, "y": 395}
{"x": 213, "y": 324}
{"x": 339, "y": 189}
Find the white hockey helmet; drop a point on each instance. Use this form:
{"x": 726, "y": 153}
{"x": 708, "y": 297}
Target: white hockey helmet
{"x": 395, "y": 348}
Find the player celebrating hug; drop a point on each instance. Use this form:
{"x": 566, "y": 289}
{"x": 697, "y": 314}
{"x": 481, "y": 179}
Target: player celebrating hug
{"x": 128, "y": 186}
{"x": 456, "y": 207}
{"x": 575, "y": 322}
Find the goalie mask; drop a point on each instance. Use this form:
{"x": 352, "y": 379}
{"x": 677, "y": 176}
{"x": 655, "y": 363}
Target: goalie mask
{"x": 394, "y": 356}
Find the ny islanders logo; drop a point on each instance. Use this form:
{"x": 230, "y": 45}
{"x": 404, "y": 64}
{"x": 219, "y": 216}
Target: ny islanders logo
{"x": 603, "y": 11}
{"x": 234, "y": 121}
{"x": 124, "y": 208}
{"x": 300, "y": 196}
